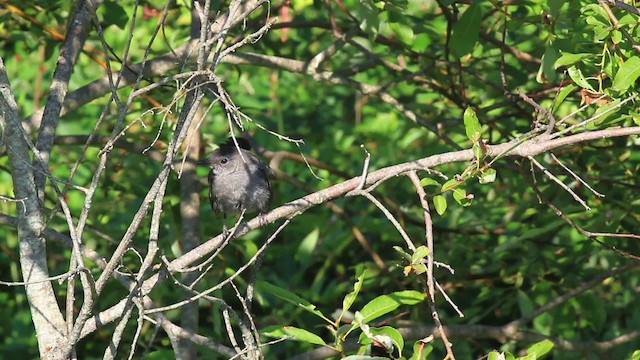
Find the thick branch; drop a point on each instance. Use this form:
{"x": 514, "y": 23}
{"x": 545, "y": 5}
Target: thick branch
{"x": 531, "y": 147}
{"x": 46, "y": 315}
{"x": 71, "y": 47}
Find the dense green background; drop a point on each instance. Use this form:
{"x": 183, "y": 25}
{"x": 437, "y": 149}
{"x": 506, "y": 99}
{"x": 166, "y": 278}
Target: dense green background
{"x": 511, "y": 253}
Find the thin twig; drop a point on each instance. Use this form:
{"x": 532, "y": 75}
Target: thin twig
{"x": 557, "y": 181}
{"x": 575, "y": 176}
{"x": 547, "y": 113}
{"x": 388, "y": 215}
{"x": 365, "y": 167}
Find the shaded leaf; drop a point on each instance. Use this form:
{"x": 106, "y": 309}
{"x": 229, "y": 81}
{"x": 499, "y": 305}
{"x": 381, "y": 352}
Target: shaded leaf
{"x": 351, "y": 297}
{"x": 289, "y": 297}
{"x": 466, "y": 31}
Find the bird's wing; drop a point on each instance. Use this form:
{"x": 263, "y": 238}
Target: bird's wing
{"x": 265, "y": 171}
{"x": 212, "y": 194}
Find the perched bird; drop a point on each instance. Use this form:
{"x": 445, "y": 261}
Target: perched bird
{"x": 238, "y": 179}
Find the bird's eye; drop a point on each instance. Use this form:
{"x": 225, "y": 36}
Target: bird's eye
{"x": 223, "y": 161}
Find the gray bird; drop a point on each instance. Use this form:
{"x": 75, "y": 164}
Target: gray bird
{"x": 237, "y": 183}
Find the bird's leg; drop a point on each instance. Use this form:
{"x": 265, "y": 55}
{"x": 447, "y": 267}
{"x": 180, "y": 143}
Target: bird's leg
{"x": 231, "y": 232}
{"x": 225, "y": 230}
{"x": 261, "y": 220}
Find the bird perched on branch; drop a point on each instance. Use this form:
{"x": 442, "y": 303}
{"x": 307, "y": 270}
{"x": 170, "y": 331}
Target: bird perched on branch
{"x": 238, "y": 179}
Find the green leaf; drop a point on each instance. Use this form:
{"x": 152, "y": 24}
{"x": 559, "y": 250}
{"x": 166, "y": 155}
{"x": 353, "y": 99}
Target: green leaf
{"x": 592, "y": 305}
{"x": 351, "y": 297}
{"x": 420, "y": 253}
{"x": 440, "y": 203}
{"x": 307, "y": 247}
{"x": 299, "y": 5}
{"x": 279, "y": 331}
{"x": 370, "y": 22}
{"x": 616, "y": 36}
{"x": 561, "y": 96}
{"x": 606, "y": 111}
{"x": 450, "y": 184}
{"x": 627, "y": 20}
{"x": 114, "y": 14}
{"x": 488, "y": 176}
{"x": 528, "y": 357}
{"x": 524, "y": 303}
{"x": 472, "y": 125}
{"x": 428, "y": 182}
{"x": 402, "y": 252}
{"x": 386, "y": 331}
{"x": 421, "y": 351}
{"x": 466, "y": 31}
{"x": 161, "y": 355}
{"x": 555, "y": 6}
{"x": 576, "y": 75}
{"x": 460, "y": 196}
{"x": 597, "y": 23}
{"x": 385, "y": 304}
{"x": 290, "y": 297}
{"x": 599, "y": 14}
{"x": 540, "y": 348}
{"x": 627, "y": 74}
{"x": 538, "y": 231}
{"x": 404, "y": 32}
{"x": 494, "y": 355}
{"x": 421, "y": 43}
{"x": 570, "y": 59}
{"x": 478, "y": 154}
{"x": 547, "y": 66}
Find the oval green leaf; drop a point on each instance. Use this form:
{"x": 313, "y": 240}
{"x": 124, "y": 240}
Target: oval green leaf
{"x": 303, "y": 335}
{"x": 440, "y": 203}
{"x": 627, "y": 74}
{"x": 488, "y": 176}
{"x": 576, "y": 75}
{"x": 290, "y": 297}
{"x": 540, "y": 348}
{"x": 385, "y": 304}
{"x": 472, "y": 125}
{"x": 466, "y": 31}
{"x": 428, "y": 182}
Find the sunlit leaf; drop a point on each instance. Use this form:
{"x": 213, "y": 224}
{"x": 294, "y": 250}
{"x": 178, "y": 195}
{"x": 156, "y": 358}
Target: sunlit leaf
{"x": 429, "y": 182}
{"x": 472, "y": 125}
{"x": 385, "y": 304}
{"x": 488, "y": 176}
{"x": 627, "y": 74}
{"x": 541, "y": 348}
{"x": 440, "y": 203}
{"x": 576, "y": 75}
{"x": 294, "y": 332}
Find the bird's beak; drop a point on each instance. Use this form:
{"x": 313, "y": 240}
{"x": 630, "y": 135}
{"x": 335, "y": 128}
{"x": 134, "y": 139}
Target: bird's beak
{"x": 202, "y": 162}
